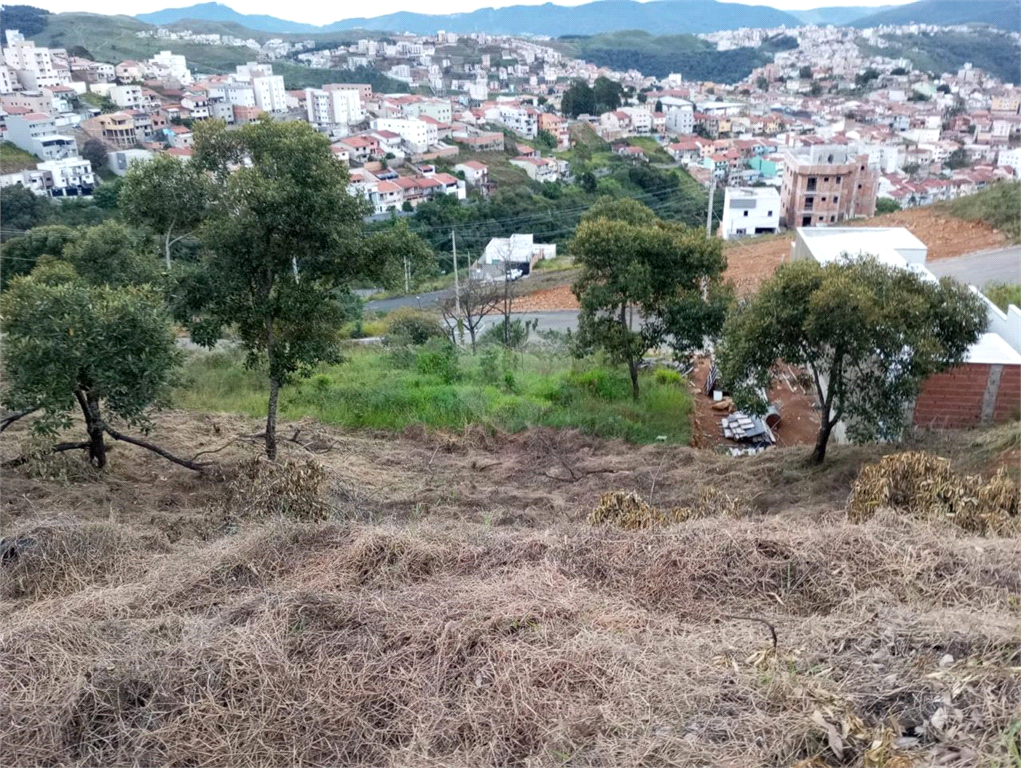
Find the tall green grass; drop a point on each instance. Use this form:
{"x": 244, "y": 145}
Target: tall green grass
{"x": 390, "y": 390}
{"x": 997, "y": 205}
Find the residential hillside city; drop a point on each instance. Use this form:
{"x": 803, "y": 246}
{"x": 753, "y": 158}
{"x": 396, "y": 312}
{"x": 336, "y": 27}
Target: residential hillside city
{"x": 875, "y": 127}
{"x": 626, "y": 393}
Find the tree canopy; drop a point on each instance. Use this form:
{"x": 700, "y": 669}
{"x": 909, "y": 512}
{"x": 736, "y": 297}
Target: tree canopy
{"x": 868, "y": 334}
{"x": 644, "y": 283}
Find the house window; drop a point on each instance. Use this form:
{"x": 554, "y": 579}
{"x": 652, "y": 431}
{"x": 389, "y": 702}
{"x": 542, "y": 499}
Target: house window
{"x": 811, "y": 183}
{"x": 746, "y": 213}
{"x": 833, "y": 218}
{"x": 809, "y": 203}
{"x": 826, "y": 178}
{"x": 806, "y": 221}
{"x": 839, "y": 179}
{"x": 824, "y": 199}
{"x": 770, "y": 213}
{"x": 859, "y": 186}
{"x": 836, "y": 200}
{"x": 863, "y": 167}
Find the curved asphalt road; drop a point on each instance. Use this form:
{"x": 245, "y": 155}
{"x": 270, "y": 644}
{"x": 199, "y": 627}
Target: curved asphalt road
{"x": 982, "y": 268}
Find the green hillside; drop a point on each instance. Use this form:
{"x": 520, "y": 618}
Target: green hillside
{"x": 660, "y": 55}
{"x": 948, "y": 51}
{"x": 113, "y": 39}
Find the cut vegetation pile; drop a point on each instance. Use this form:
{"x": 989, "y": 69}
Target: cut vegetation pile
{"x": 630, "y": 512}
{"x": 423, "y": 624}
{"x": 925, "y": 486}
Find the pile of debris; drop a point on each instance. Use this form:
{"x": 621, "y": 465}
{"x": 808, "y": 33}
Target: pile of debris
{"x": 755, "y": 433}
{"x": 752, "y": 430}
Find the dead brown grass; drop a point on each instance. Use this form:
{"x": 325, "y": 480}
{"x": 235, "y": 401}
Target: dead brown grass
{"x": 923, "y": 485}
{"x": 456, "y": 610}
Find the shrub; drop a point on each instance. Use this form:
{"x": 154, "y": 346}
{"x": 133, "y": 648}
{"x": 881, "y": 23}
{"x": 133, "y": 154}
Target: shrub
{"x": 1004, "y": 294}
{"x": 412, "y": 326}
{"x": 439, "y": 358}
{"x": 667, "y": 376}
{"x": 517, "y": 332}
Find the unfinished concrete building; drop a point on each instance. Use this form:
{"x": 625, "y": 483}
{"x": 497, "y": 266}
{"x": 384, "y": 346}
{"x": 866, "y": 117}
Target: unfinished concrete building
{"x": 824, "y": 185}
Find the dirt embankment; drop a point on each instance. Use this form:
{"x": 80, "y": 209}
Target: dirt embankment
{"x": 456, "y": 609}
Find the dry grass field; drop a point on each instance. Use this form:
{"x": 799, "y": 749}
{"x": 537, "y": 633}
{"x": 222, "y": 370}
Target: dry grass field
{"x": 443, "y": 600}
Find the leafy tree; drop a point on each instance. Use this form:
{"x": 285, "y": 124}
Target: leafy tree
{"x": 912, "y": 168}
{"x": 887, "y": 205}
{"x": 620, "y": 209}
{"x": 943, "y": 88}
{"x": 70, "y": 344}
{"x": 898, "y": 71}
{"x": 588, "y": 182}
{"x": 805, "y": 73}
{"x": 21, "y": 253}
{"x": 107, "y": 194}
{"x": 578, "y": 99}
{"x": 649, "y": 274}
{"x": 111, "y": 254}
{"x": 659, "y": 106}
{"x": 607, "y": 93}
{"x": 862, "y": 79}
{"x": 815, "y": 89}
{"x": 762, "y": 83}
{"x": 168, "y": 196}
{"x": 21, "y": 209}
{"x": 545, "y": 139}
{"x": 95, "y": 152}
{"x": 869, "y": 334}
{"x": 918, "y": 96}
{"x": 642, "y": 97}
{"x": 282, "y": 237}
{"x": 958, "y": 159}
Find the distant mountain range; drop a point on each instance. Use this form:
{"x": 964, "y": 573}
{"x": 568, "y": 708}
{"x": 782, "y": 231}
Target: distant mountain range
{"x": 658, "y": 17}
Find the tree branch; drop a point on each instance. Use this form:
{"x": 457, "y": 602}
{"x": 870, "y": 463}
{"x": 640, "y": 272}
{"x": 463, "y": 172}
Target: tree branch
{"x": 58, "y": 448}
{"x": 192, "y": 465}
{"x": 10, "y": 418}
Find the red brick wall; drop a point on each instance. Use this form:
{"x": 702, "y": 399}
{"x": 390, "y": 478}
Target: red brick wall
{"x": 1008, "y": 400}
{"x": 954, "y": 399}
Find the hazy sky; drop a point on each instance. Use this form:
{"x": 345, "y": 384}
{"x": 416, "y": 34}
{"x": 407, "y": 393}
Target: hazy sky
{"x": 318, "y": 12}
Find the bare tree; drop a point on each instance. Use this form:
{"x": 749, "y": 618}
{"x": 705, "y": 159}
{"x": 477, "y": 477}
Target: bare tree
{"x": 478, "y": 299}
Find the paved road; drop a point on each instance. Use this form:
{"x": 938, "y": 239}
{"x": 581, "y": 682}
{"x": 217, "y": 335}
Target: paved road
{"x": 980, "y": 269}
{"x": 551, "y": 321}
{"x": 417, "y": 301}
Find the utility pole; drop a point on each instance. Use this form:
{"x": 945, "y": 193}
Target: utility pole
{"x": 709, "y": 213}
{"x": 457, "y": 285}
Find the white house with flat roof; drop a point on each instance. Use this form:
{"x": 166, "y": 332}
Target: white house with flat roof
{"x": 750, "y": 211}
{"x": 986, "y": 388}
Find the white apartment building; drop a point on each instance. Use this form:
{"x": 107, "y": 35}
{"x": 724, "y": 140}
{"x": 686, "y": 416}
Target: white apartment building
{"x": 334, "y": 107}
{"x": 270, "y": 95}
{"x": 120, "y": 160}
{"x": 35, "y": 67}
{"x": 750, "y": 211}
{"x": 174, "y": 65}
{"x": 438, "y": 109}
{"x": 248, "y": 72}
{"x": 126, "y": 96}
{"x": 680, "y": 118}
{"x": 8, "y": 82}
{"x": 417, "y": 134}
{"x": 37, "y": 133}
{"x": 67, "y": 177}
{"x": 522, "y": 120}
{"x": 641, "y": 119}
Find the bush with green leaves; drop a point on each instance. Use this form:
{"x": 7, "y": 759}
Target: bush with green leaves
{"x": 411, "y": 326}
{"x": 70, "y": 344}
{"x": 438, "y": 357}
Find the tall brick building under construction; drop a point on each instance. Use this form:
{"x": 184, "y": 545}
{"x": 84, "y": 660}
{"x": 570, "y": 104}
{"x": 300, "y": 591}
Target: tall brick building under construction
{"x": 825, "y": 185}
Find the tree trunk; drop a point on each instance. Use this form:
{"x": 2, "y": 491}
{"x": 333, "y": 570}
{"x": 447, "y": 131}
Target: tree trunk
{"x": 271, "y": 419}
{"x": 167, "y": 248}
{"x": 819, "y": 454}
{"x": 94, "y": 426}
{"x": 632, "y": 365}
{"x": 471, "y": 333}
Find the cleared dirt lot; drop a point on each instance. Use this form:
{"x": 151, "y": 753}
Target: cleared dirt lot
{"x": 455, "y": 608}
